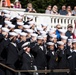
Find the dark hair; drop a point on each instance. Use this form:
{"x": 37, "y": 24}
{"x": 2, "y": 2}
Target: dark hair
{"x": 70, "y": 26}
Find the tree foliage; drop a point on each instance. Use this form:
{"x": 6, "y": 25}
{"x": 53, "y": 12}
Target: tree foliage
{"x": 40, "y": 5}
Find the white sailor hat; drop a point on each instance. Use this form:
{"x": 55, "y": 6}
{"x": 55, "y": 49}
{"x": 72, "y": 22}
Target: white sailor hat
{"x": 54, "y": 29}
{"x": 40, "y": 37}
{"x": 26, "y": 44}
{"x": 26, "y": 26}
{"x": 23, "y": 34}
{"x": 70, "y": 40}
{"x": 60, "y": 43}
{"x": 64, "y": 37}
{"x": 31, "y": 22}
{"x": 20, "y": 23}
{"x": 50, "y": 43}
{"x": 5, "y": 29}
{"x": 18, "y": 17}
{"x": 21, "y": 13}
{"x": 30, "y": 16}
{"x": 7, "y": 22}
{"x": 11, "y": 26}
{"x": 0, "y": 26}
{"x": 42, "y": 32}
{"x": 6, "y": 11}
{"x": 39, "y": 28}
{"x": 74, "y": 41}
{"x": 53, "y": 36}
{"x": 29, "y": 30}
{"x": 18, "y": 31}
{"x": 44, "y": 35}
{"x": 34, "y": 35}
{"x": 62, "y": 30}
{"x": 7, "y": 15}
{"x": 51, "y": 31}
{"x": 13, "y": 34}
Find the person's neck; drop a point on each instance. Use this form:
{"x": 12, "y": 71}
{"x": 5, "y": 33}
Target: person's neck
{"x": 69, "y": 31}
{"x": 63, "y": 10}
{"x": 74, "y": 10}
{"x": 27, "y": 52}
{"x": 74, "y": 48}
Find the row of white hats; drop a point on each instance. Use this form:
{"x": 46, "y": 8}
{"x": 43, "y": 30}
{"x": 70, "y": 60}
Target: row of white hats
{"x": 31, "y": 31}
{"x": 19, "y": 31}
{"x": 28, "y": 27}
{"x": 62, "y": 36}
{"x": 50, "y": 43}
{"x": 13, "y": 26}
{"x": 8, "y": 14}
{"x": 60, "y": 42}
{"x": 22, "y": 34}
{"x": 25, "y": 34}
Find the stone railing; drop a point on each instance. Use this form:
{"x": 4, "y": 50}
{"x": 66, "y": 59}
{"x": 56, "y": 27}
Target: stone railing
{"x": 50, "y": 20}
